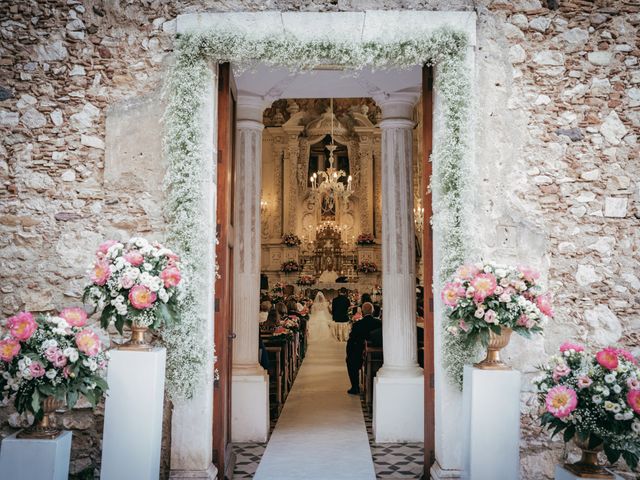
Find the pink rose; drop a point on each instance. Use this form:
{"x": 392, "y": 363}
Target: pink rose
{"x": 504, "y": 298}
{"x": 608, "y": 358}
{"x": 463, "y": 326}
{"x": 75, "y": 316}
{"x": 134, "y": 257}
{"x": 544, "y": 304}
{"x": 36, "y": 369}
{"x": 22, "y": 326}
{"x": 66, "y": 372}
{"x": 566, "y": 346}
{"x": 633, "y": 384}
{"x": 126, "y": 281}
{"x": 101, "y": 272}
{"x": 491, "y": 317}
{"x": 522, "y": 321}
{"x": 104, "y": 246}
{"x": 88, "y": 342}
{"x": 170, "y": 276}
{"x": 9, "y": 348}
{"x": 51, "y": 353}
{"x": 60, "y": 360}
{"x": 560, "y": 371}
{"x": 584, "y": 382}
{"x": 141, "y": 297}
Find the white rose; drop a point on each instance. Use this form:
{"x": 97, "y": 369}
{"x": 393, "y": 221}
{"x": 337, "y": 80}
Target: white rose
{"x": 617, "y": 388}
{"x": 71, "y": 354}
{"x": 618, "y": 416}
{"x": 597, "y": 399}
{"x": 51, "y": 373}
{"x": 147, "y": 266}
{"x": 163, "y": 295}
{"x": 635, "y": 426}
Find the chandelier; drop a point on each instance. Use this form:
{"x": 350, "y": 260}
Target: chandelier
{"x": 327, "y": 182}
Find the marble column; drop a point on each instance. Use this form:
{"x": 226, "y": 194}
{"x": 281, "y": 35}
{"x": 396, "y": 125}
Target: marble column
{"x": 398, "y": 391}
{"x": 250, "y": 382}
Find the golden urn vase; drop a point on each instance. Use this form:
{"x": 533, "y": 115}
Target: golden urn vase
{"x": 587, "y": 466}
{"x": 496, "y": 343}
{"x": 137, "y": 341}
{"x": 45, "y": 428}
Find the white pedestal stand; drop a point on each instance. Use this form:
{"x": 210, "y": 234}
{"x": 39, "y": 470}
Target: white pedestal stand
{"x": 31, "y": 459}
{"x": 564, "y": 474}
{"x": 491, "y": 419}
{"x": 133, "y": 415}
{"x": 398, "y": 409}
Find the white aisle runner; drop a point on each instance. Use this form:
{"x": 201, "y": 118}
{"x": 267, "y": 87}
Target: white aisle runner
{"x": 321, "y": 432}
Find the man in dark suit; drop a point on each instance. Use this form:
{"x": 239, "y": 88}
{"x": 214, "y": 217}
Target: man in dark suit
{"x": 360, "y": 332}
{"x": 340, "y": 306}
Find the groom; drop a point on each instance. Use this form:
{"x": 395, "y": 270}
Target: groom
{"x": 340, "y": 307}
{"x": 360, "y": 332}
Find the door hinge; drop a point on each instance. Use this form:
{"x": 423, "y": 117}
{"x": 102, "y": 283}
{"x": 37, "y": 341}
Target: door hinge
{"x": 216, "y": 304}
{"x": 431, "y": 381}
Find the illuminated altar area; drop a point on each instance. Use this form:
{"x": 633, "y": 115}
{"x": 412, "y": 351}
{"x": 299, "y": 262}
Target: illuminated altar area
{"x": 306, "y": 137}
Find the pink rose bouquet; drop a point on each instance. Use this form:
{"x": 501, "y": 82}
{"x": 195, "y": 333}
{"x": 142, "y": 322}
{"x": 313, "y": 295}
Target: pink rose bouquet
{"x": 50, "y": 356}
{"x": 367, "y": 267}
{"x": 290, "y": 266}
{"x": 582, "y": 394}
{"x": 485, "y": 297}
{"x": 135, "y": 282}
{"x": 306, "y": 280}
{"x": 365, "y": 239}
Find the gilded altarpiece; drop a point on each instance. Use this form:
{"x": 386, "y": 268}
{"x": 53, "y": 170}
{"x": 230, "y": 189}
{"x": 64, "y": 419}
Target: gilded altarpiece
{"x": 292, "y": 129}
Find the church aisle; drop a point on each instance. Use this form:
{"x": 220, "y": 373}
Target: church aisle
{"x": 321, "y": 433}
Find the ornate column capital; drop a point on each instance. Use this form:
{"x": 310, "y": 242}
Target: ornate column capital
{"x": 397, "y": 109}
{"x": 249, "y": 110}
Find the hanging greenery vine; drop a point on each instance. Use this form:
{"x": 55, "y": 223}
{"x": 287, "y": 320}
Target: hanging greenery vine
{"x": 184, "y": 93}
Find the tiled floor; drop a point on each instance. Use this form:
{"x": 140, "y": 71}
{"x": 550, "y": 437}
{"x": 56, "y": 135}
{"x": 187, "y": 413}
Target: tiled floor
{"x": 394, "y": 461}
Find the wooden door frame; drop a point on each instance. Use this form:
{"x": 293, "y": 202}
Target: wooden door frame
{"x": 427, "y": 274}
{"x": 223, "y": 326}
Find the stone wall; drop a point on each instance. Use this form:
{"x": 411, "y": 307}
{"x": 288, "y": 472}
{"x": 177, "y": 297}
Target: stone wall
{"x": 557, "y": 110}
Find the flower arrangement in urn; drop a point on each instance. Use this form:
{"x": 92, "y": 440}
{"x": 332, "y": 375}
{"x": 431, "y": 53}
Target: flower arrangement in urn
{"x": 306, "y": 280}
{"x": 291, "y": 240}
{"x": 48, "y": 360}
{"x": 135, "y": 283}
{"x": 486, "y": 302}
{"x": 593, "y": 399}
{"x": 290, "y": 266}
{"x": 365, "y": 239}
{"x": 367, "y": 267}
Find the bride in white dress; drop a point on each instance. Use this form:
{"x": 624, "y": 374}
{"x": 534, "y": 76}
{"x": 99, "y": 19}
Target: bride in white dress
{"x": 319, "y": 320}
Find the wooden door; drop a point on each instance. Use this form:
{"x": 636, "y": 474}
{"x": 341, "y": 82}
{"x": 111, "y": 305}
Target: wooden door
{"x": 427, "y": 255}
{"x": 223, "y": 332}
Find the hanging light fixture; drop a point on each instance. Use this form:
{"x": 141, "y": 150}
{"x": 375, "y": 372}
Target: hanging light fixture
{"x": 327, "y": 182}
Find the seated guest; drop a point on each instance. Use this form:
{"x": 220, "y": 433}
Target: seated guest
{"x": 263, "y": 355}
{"x": 360, "y": 332}
{"x": 264, "y": 311}
{"x": 292, "y": 307}
{"x": 340, "y": 307}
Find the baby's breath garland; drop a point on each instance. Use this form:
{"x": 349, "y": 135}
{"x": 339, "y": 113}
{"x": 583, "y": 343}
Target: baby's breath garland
{"x": 184, "y": 92}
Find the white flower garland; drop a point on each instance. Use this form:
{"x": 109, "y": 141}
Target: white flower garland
{"x": 184, "y": 93}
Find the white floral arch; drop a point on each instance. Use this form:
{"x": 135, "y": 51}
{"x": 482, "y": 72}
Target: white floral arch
{"x": 443, "y": 44}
